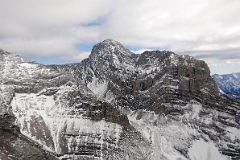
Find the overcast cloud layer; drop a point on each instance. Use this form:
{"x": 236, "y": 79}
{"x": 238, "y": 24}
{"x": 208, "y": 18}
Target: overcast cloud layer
{"x": 58, "y": 31}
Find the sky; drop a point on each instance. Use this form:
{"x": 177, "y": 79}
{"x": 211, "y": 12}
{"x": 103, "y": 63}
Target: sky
{"x": 64, "y": 31}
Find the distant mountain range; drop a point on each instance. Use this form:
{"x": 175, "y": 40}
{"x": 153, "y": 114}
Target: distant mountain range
{"x": 228, "y": 83}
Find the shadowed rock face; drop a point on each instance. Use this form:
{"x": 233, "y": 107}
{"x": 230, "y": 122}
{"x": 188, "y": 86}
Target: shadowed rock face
{"x": 116, "y": 105}
{"x": 14, "y": 146}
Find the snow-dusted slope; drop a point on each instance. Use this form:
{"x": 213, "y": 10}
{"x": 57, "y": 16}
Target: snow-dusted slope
{"x": 118, "y": 105}
{"x": 61, "y": 130}
{"x": 229, "y": 83}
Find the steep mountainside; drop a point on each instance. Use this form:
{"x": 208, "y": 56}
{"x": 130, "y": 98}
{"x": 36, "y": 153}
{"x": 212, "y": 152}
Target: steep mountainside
{"x": 229, "y": 83}
{"x": 116, "y": 105}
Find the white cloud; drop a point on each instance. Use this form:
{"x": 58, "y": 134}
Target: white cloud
{"x": 206, "y": 29}
{"x": 223, "y": 66}
{"x": 80, "y": 56}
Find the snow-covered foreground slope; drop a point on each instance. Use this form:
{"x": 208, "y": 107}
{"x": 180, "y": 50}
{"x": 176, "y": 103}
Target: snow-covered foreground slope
{"x": 117, "y": 105}
{"x": 47, "y": 120}
{"x": 179, "y": 138}
{"x": 205, "y": 150}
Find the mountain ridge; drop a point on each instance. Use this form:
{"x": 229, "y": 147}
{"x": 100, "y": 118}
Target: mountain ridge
{"x": 119, "y": 105}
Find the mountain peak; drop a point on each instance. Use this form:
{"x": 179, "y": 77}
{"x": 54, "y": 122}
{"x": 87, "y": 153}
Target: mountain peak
{"x": 112, "y": 44}
{"x": 109, "y": 47}
{"x": 112, "y": 41}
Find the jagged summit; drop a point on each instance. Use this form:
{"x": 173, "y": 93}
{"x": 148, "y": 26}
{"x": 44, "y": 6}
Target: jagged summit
{"x": 111, "y": 41}
{"x": 109, "y": 48}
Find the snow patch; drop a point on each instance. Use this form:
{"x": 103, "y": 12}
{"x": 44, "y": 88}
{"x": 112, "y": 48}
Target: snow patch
{"x": 162, "y": 134}
{"x": 28, "y": 65}
{"x": 202, "y": 150}
{"x": 233, "y": 133}
{"x": 52, "y": 113}
{"x": 98, "y": 88}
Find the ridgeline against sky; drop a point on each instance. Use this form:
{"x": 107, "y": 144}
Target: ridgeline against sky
{"x": 60, "y": 31}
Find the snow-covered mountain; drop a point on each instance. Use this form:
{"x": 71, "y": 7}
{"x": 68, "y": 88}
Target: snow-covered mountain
{"x": 116, "y": 105}
{"x": 229, "y": 83}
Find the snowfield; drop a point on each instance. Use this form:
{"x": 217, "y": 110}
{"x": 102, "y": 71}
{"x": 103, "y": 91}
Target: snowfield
{"x": 202, "y": 150}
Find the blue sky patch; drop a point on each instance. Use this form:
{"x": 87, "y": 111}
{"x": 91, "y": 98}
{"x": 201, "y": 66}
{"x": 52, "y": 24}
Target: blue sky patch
{"x": 97, "y": 22}
{"x": 84, "y": 47}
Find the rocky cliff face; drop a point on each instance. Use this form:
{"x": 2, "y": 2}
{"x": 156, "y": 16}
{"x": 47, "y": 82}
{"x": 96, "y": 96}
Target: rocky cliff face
{"x": 117, "y": 105}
